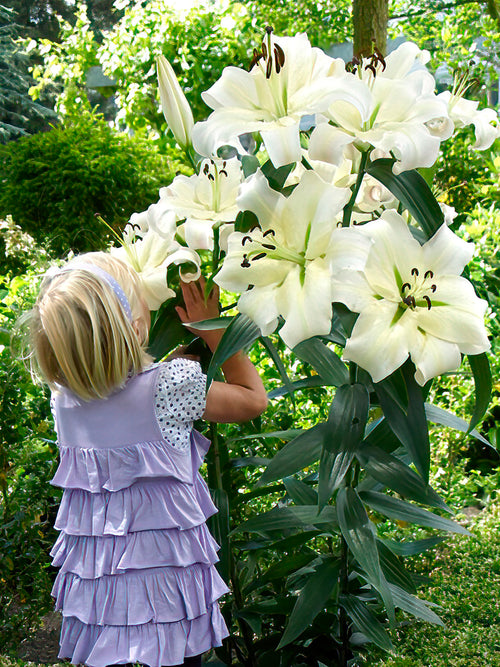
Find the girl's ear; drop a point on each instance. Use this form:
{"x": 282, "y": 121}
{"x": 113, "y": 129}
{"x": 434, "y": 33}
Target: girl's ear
{"x": 141, "y": 329}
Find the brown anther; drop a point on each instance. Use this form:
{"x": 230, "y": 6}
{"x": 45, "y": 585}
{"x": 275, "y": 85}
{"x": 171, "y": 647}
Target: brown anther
{"x": 404, "y": 286}
{"x": 429, "y": 304}
{"x": 277, "y": 65}
{"x": 429, "y": 274}
{"x": 245, "y": 239}
{"x": 250, "y": 287}
{"x": 372, "y": 68}
{"x": 256, "y": 57}
{"x": 264, "y": 50}
{"x": 433, "y": 288}
{"x": 269, "y": 29}
{"x": 259, "y": 256}
{"x": 414, "y": 272}
{"x": 279, "y": 54}
{"x": 269, "y": 231}
{"x": 223, "y": 171}
{"x": 211, "y": 177}
{"x": 245, "y": 263}
{"x": 268, "y": 246}
{"x": 206, "y": 169}
{"x": 269, "y": 68}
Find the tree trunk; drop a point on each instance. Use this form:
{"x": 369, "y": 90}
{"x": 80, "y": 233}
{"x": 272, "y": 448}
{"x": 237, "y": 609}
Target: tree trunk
{"x": 369, "y": 19}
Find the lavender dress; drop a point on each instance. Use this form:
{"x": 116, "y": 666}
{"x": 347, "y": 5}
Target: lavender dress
{"x": 137, "y": 580}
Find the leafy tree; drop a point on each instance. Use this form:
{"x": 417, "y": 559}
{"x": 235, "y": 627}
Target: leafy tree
{"x": 19, "y": 114}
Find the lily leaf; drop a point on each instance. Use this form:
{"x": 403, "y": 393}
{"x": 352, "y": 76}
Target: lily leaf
{"x": 409, "y": 425}
{"x": 273, "y": 353}
{"x": 403, "y": 511}
{"x": 393, "y": 473}
{"x": 359, "y": 533}
{"x": 241, "y": 333}
{"x": 294, "y": 517}
{"x": 366, "y": 621}
{"x": 276, "y": 177}
{"x": 305, "y": 383}
{"x": 412, "y": 191}
{"x": 300, "y": 492}
{"x": 413, "y": 605}
{"x": 302, "y": 451}
{"x": 438, "y": 415}
{"x": 325, "y": 362}
{"x": 482, "y": 379}
{"x": 412, "y": 548}
{"x": 312, "y": 599}
{"x": 344, "y": 431}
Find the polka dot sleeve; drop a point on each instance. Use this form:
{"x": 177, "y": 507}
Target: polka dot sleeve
{"x": 179, "y": 400}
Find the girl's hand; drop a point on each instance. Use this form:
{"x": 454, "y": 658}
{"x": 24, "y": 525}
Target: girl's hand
{"x": 197, "y": 309}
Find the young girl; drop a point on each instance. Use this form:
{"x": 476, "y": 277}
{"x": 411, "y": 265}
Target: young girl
{"x": 137, "y": 581}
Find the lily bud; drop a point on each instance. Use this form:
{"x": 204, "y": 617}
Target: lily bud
{"x": 174, "y": 104}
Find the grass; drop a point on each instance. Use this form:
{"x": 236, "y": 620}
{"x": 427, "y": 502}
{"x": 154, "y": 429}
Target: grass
{"x": 465, "y": 574}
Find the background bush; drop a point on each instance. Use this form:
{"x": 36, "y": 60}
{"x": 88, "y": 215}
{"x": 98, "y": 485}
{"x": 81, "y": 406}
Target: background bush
{"x": 53, "y": 183}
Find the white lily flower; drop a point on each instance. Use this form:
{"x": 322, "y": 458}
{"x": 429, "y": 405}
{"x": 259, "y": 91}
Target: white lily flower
{"x": 289, "y": 79}
{"x": 464, "y": 112}
{"x": 394, "y": 104}
{"x": 205, "y": 199}
{"x": 286, "y": 264}
{"x": 412, "y": 301}
{"x": 150, "y": 256}
{"x": 174, "y": 104}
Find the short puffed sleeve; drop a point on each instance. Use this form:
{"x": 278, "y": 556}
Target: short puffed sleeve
{"x": 180, "y": 397}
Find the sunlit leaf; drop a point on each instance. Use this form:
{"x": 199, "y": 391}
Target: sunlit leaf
{"x": 482, "y": 380}
{"x": 403, "y": 511}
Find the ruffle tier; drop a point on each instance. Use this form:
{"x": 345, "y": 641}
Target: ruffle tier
{"x": 113, "y": 469}
{"x": 147, "y": 505}
{"x": 93, "y": 557}
{"x": 153, "y": 644}
{"x": 158, "y": 595}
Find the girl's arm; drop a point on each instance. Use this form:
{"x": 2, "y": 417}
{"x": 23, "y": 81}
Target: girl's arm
{"x": 242, "y": 396}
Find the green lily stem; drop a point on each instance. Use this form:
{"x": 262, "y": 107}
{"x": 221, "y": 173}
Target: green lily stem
{"x": 346, "y": 220}
{"x": 353, "y": 372}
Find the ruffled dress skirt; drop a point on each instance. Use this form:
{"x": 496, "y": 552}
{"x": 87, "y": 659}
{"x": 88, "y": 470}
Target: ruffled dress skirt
{"x": 136, "y": 581}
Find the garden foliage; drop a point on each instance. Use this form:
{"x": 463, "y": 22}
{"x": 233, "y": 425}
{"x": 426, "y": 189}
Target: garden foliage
{"x": 54, "y": 183}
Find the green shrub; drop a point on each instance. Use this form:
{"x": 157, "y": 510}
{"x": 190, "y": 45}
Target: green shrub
{"x": 28, "y": 503}
{"x": 54, "y": 183}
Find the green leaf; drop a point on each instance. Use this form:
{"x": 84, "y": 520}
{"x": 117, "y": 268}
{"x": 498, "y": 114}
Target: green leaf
{"x": 167, "y": 332}
{"x": 393, "y": 473}
{"x": 413, "y": 605}
{"x": 325, "y": 362}
{"x": 409, "y": 425}
{"x": 245, "y": 221}
{"x": 300, "y": 492}
{"x": 482, "y": 380}
{"x": 412, "y": 548}
{"x": 284, "y": 567}
{"x": 281, "y": 435}
{"x": 312, "y": 599}
{"x": 344, "y": 431}
{"x": 214, "y": 323}
{"x": 219, "y": 527}
{"x": 301, "y": 452}
{"x": 241, "y": 333}
{"x": 403, "y": 511}
{"x": 438, "y": 415}
{"x": 394, "y": 569}
{"x": 273, "y": 353}
{"x": 360, "y": 535}
{"x": 294, "y": 517}
{"x": 249, "y": 165}
{"x": 366, "y": 621}
{"x": 412, "y": 191}
{"x": 305, "y": 383}
{"x": 276, "y": 177}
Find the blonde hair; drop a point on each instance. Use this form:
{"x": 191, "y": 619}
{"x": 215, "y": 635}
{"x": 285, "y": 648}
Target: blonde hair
{"x": 81, "y": 337}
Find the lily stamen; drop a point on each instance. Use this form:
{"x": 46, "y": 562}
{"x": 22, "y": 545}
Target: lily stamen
{"x": 429, "y": 303}
{"x": 269, "y": 231}
{"x": 429, "y": 274}
{"x": 405, "y": 286}
{"x": 259, "y": 256}
{"x": 414, "y": 272}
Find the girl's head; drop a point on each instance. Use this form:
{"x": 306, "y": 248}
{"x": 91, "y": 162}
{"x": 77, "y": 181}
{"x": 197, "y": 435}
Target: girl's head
{"x": 89, "y": 326}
